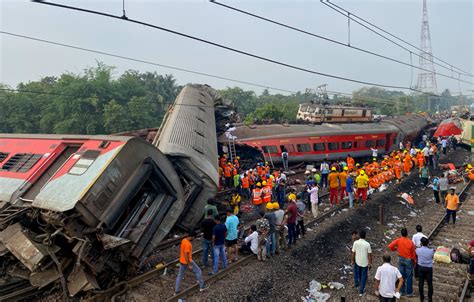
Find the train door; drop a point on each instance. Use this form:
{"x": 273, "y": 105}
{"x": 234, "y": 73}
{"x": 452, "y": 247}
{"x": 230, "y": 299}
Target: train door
{"x": 388, "y": 142}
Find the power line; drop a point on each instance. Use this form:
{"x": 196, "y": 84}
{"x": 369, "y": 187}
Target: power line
{"x": 400, "y": 39}
{"x": 349, "y": 16}
{"x": 227, "y": 47}
{"x": 144, "y": 61}
{"x": 331, "y": 40}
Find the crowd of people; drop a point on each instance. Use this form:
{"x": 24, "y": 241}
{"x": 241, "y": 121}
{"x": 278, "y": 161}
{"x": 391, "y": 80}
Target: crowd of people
{"x": 278, "y": 211}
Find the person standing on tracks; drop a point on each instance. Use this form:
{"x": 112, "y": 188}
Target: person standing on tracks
{"x": 291, "y": 213}
{"x": 452, "y": 204}
{"x": 228, "y": 175}
{"x": 211, "y": 205}
{"x": 350, "y": 189}
{"x": 388, "y": 281}
{"x": 362, "y": 183}
{"x": 406, "y": 260}
{"x": 257, "y": 199}
{"x": 284, "y": 158}
{"x": 436, "y": 189}
{"x": 218, "y": 238}
{"x": 266, "y": 193}
{"x": 333, "y": 179}
{"x": 444, "y": 145}
{"x": 280, "y": 228}
{"x": 424, "y": 175}
{"x": 342, "y": 181}
{"x": 300, "y": 209}
{"x": 417, "y": 237}
{"x": 443, "y": 186}
{"x": 232, "y": 223}
{"x": 245, "y": 185}
{"x": 425, "y": 269}
{"x": 207, "y": 226}
{"x": 361, "y": 261}
{"x": 324, "y": 168}
{"x": 280, "y": 193}
{"x": 270, "y": 216}
{"x": 374, "y": 152}
{"x": 314, "y": 199}
{"x": 316, "y": 176}
{"x": 186, "y": 262}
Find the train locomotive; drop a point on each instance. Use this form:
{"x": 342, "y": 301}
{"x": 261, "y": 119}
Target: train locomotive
{"x": 81, "y": 211}
{"x": 312, "y": 143}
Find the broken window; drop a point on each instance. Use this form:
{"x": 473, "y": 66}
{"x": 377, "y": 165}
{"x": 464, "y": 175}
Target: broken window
{"x": 21, "y": 162}
{"x": 269, "y": 149}
{"x": 346, "y": 145}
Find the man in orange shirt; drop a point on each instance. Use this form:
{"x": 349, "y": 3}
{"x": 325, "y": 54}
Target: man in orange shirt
{"x": 333, "y": 179}
{"x": 452, "y": 204}
{"x": 342, "y": 181}
{"x": 406, "y": 260}
{"x": 350, "y": 163}
{"x": 186, "y": 262}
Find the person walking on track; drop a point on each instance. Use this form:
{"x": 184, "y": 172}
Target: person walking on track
{"x": 361, "y": 261}
{"x": 186, "y": 262}
{"x": 388, "y": 281}
{"x": 452, "y": 204}
{"x": 406, "y": 260}
{"x": 333, "y": 179}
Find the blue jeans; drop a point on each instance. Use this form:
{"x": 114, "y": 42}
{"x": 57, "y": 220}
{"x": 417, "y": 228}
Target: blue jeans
{"x": 271, "y": 244}
{"x": 360, "y": 277}
{"x": 405, "y": 266}
{"x": 450, "y": 213}
{"x": 324, "y": 179}
{"x": 219, "y": 252}
{"x": 351, "y": 199}
{"x": 291, "y": 233}
{"x": 206, "y": 248}
{"x": 281, "y": 198}
{"x": 182, "y": 269}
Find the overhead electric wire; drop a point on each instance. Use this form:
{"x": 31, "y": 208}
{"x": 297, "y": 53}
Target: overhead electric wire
{"x": 144, "y": 61}
{"x": 332, "y": 40}
{"x": 348, "y": 15}
{"x": 274, "y": 61}
{"x": 400, "y": 39}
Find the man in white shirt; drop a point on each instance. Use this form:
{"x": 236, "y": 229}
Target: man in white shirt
{"x": 444, "y": 145}
{"x": 361, "y": 260}
{"x": 386, "y": 277}
{"x": 251, "y": 241}
{"x": 412, "y": 151}
{"x": 313, "y": 198}
{"x": 417, "y": 237}
{"x": 374, "y": 152}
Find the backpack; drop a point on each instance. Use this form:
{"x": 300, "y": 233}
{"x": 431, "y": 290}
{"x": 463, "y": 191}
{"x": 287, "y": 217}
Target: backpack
{"x": 455, "y": 255}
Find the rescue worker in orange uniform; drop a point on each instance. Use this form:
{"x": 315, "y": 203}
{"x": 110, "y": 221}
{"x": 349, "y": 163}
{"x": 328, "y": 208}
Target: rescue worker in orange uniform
{"x": 267, "y": 168}
{"x": 397, "y": 166}
{"x": 236, "y": 162}
{"x": 228, "y": 175}
{"x": 266, "y": 193}
{"x": 223, "y": 161}
{"x": 374, "y": 182}
{"x": 350, "y": 163}
{"x": 246, "y": 186}
{"x": 421, "y": 159}
{"x": 257, "y": 200}
{"x": 375, "y": 166}
{"x": 407, "y": 164}
{"x": 342, "y": 180}
{"x": 333, "y": 179}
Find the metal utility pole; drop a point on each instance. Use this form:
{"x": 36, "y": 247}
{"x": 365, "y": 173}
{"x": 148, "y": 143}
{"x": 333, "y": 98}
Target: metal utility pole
{"x": 426, "y": 75}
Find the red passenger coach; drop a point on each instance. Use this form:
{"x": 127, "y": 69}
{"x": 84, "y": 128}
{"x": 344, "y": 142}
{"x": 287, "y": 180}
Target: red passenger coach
{"x": 331, "y": 141}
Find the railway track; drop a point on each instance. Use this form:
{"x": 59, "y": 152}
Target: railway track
{"x": 161, "y": 279}
{"x": 450, "y": 280}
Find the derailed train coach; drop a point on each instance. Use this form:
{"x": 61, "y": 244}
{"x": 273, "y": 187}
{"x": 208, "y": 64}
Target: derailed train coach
{"x": 80, "y": 211}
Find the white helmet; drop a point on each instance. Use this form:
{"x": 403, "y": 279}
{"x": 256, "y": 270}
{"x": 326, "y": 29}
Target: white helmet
{"x": 307, "y": 172}
{"x": 313, "y": 170}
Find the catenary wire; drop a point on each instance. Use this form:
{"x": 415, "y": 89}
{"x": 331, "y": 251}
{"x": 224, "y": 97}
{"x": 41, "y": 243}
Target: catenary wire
{"x": 329, "y": 4}
{"x": 400, "y": 39}
{"x": 332, "y": 40}
{"x": 274, "y": 61}
{"x": 144, "y": 61}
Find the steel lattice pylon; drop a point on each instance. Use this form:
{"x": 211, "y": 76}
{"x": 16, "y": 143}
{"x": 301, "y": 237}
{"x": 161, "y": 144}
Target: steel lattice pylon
{"x": 426, "y": 76}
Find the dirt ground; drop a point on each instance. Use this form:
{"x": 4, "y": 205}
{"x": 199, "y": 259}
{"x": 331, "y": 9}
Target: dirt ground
{"x": 324, "y": 254}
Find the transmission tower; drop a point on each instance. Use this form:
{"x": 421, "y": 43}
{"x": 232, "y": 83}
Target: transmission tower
{"x": 426, "y": 76}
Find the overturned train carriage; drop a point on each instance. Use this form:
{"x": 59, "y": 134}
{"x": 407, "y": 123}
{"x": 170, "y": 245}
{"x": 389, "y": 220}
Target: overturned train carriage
{"x": 101, "y": 202}
{"x": 82, "y": 210}
{"x": 188, "y": 137}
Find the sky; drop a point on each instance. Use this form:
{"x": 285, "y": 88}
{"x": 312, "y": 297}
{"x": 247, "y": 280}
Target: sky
{"x": 451, "y": 25}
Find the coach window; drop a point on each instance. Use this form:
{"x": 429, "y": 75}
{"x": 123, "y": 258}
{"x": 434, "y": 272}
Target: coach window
{"x": 380, "y": 142}
{"x": 346, "y": 145}
{"x": 369, "y": 144}
{"x": 86, "y": 160}
{"x": 333, "y": 146}
{"x": 269, "y": 149}
{"x": 287, "y": 148}
{"x": 356, "y": 144}
{"x": 303, "y": 147}
{"x": 319, "y": 147}
{"x": 3, "y": 155}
